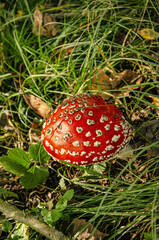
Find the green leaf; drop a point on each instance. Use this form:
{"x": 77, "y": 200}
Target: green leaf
{"x": 61, "y": 204}
{"x": 52, "y": 217}
{"x": 6, "y": 226}
{"x": 38, "y": 153}
{"x": 20, "y": 157}
{"x": 62, "y": 184}
{"x": 9, "y": 164}
{"x": 20, "y": 231}
{"x": 69, "y": 194}
{"x": 31, "y": 180}
{"x": 6, "y": 193}
{"x": 44, "y": 212}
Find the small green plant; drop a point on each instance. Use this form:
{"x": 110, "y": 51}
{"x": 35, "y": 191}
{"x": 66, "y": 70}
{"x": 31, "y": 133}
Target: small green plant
{"x": 28, "y": 167}
{"x": 52, "y": 216}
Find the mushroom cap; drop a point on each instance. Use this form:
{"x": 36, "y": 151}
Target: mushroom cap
{"x": 85, "y": 129}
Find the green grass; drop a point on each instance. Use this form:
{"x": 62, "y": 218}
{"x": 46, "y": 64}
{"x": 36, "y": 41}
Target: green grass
{"x": 123, "y": 199}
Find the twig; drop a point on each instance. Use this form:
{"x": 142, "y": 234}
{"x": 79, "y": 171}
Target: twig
{"x": 13, "y": 212}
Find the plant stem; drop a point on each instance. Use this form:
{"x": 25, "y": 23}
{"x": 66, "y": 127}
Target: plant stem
{"x": 13, "y": 212}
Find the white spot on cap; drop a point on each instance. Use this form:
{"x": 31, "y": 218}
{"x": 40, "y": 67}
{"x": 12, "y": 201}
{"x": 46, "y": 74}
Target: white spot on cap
{"x": 68, "y": 134}
{"x": 86, "y": 105}
{"x": 56, "y": 151}
{"x": 90, "y": 122}
{"x": 62, "y": 151}
{"x": 90, "y": 113}
{"x": 116, "y": 128}
{"x": 79, "y": 129}
{"x": 71, "y": 112}
{"x": 101, "y": 158}
{"x": 89, "y": 154}
{"x": 47, "y": 143}
{"x": 115, "y": 138}
{"x": 56, "y": 139}
{"x": 88, "y": 134}
{"x": 99, "y": 133}
{"x": 107, "y": 127}
{"x": 97, "y": 144}
{"x": 109, "y": 147}
{"x": 48, "y": 121}
{"x": 54, "y": 119}
{"x": 49, "y": 131}
{"x": 82, "y": 110}
{"x": 51, "y": 147}
{"x": 68, "y": 160}
{"x": 70, "y": 121}
{"x": 60, "y": 114}
{"x": 78, "y": 117}
{"x": 103, "y": 118}
{"x": 59, "y": 127}
{"x": 95, "y": 159}
{"x": 65, "y": 117}
{"x": 76, "y": 143}
{"x": 72, "y": 106}
{"x": 65, "y": 104}
{"x": 86, "y": 143}
{"x": 83, "y": 153}
{"x": 84, "y": 162}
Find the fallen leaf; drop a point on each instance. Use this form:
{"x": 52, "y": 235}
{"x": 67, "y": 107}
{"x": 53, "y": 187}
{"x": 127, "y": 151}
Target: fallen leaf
{"x": 87, "y": 233}
{"x": 100, "y": 81}
{"x": 19, "y": 13}
{"x": 4, "y": 121}
{"x": 40, "y": 19}
{"x": 148, "y": 34}
{"x": 39, "y": 106}
{"x": 37, "y": 21}
{"x": 156, "y": 103}
{"x": 50, "y": 25}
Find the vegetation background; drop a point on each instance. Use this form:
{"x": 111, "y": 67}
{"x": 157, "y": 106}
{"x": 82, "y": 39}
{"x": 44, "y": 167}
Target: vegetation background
{"x": 53, "y": 49}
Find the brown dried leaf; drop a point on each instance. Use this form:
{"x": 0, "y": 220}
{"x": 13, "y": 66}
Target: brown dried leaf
{"x": 79, "y": 223}
{"x": 101, "y": 81}
{"x": 156, "y": 103}
{"x": 4, "y": 121}
{"x": 45, "y": 19}
{"x": 50, "y": 25}
{"x": 37, "y": 21}
{"x": 35, "y": 103}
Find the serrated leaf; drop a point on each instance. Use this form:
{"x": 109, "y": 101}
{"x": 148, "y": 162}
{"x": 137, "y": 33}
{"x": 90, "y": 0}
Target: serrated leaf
{"x": 69, "y": 194}
{"x": 20, "y": 157}
{"x": 10, "y": 165}
{"x": 6, "y": 193}
{"x": 31, "y": 180}
{"x": 38, "y": 153}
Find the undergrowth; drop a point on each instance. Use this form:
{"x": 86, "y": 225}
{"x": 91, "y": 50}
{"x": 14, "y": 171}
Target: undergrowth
{"x": 119, "y": 197}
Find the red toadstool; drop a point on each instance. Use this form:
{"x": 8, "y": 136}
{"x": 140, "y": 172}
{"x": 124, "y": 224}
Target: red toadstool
{"x": 85, "y": 129}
